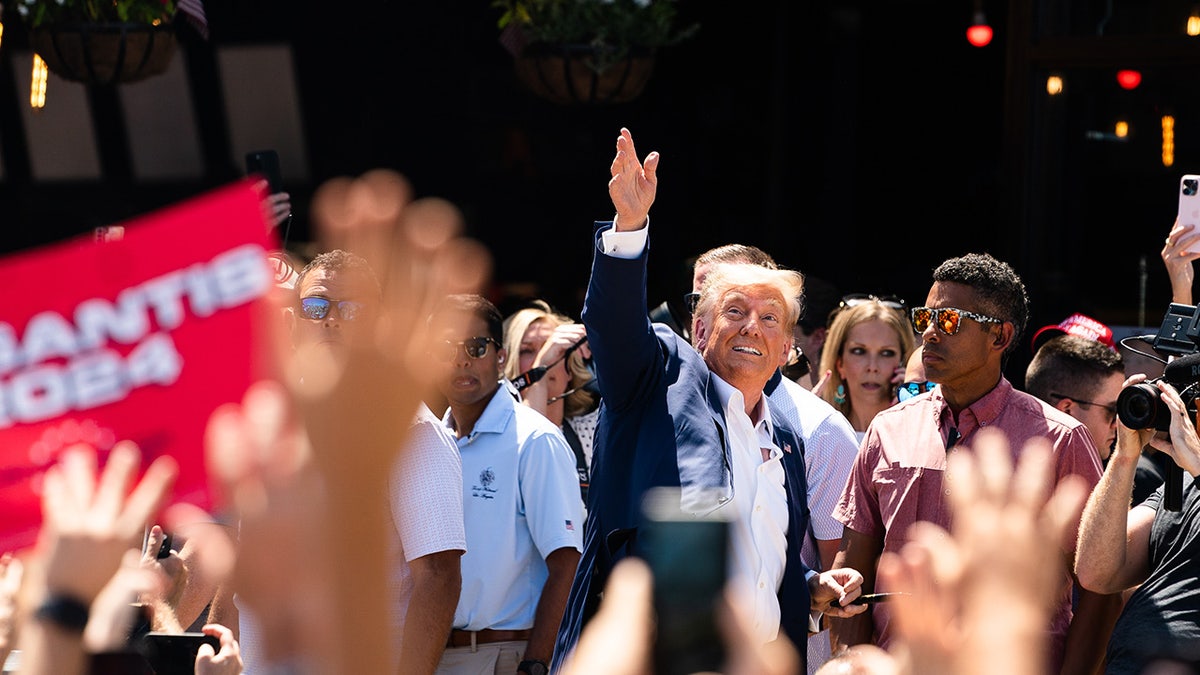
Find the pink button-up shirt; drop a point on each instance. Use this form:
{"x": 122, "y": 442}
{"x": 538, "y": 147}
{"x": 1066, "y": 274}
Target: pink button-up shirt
{"x": 898, "y": 475}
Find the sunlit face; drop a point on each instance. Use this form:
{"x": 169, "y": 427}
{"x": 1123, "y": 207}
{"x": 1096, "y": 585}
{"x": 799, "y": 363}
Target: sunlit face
{"x": 1101, "y": 422}
{"x": 333, "y": 334}
{"x": 868, "y": 361}
{"x": 463, "y": 380}
{"x": 746, "y": 336}
{"x": 966, "y": 360}
{"x": 535, "y": 338}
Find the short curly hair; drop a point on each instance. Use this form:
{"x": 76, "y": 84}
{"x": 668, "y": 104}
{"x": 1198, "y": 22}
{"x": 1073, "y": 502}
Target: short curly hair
{"x": 999, "y": 287}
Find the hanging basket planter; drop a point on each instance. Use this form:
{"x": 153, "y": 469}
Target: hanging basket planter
{"x": 584, "y": 74}
{"x": 106, "y": 53}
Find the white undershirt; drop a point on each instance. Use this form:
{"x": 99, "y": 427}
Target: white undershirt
{"x": 758, "y": 536}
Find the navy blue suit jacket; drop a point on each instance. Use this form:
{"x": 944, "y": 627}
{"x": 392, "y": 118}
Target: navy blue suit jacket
{"x": 661, "y": 424}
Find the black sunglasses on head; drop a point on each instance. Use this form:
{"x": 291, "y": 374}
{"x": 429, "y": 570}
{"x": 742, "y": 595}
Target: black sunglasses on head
{"x": 859, "y": 298}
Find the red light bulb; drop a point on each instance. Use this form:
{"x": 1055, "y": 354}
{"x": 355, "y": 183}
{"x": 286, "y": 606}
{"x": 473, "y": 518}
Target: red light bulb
{"x": 1129, "y": 79}
{"x": 980, "y": 35}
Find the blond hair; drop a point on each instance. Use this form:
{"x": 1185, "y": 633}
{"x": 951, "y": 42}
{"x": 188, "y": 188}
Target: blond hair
{"x": 515, "y": 327}
{"x": 839, "y": 332}
{"x": 725, "y": 277}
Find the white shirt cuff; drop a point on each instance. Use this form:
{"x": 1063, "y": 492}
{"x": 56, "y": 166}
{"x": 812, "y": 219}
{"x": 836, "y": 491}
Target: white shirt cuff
{"x": 627, "y": 245}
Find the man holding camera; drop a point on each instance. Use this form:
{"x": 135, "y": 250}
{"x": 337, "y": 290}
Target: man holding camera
{"x": 972, "y": 318}
{"x": 1151, "y": 546}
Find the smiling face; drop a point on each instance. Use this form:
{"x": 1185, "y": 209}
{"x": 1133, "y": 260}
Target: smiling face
{"x": 869, "y": 358}
{"x": 745, "y": 336}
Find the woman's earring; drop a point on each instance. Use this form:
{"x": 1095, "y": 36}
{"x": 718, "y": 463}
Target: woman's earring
{"x": 839, "y": 396}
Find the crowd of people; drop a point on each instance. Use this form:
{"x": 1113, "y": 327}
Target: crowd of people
{"x": 430, "y": 486}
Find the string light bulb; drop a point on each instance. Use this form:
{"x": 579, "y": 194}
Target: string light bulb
{"x": 1168, "y": 140}
{"x": 1129, "y": 79}
{"x": 979, "y": 34}
{"x": 37, "y": 85}
{"x": 1121, "y": 130}
{"x": 1054, "y": 85}
{"x": 1193, "y": 22}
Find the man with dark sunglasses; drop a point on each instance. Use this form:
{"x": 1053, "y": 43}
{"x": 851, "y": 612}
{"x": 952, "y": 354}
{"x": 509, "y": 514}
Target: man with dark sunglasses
{"x": 337, "y": 294}
{"x": 1083, "y": 378}
{"x": 521, "y": 506}
{"x": 970, "y": 322}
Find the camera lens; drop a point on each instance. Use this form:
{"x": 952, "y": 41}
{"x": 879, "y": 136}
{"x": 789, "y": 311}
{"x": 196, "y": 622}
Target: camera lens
{"x": 1138, "y": 406}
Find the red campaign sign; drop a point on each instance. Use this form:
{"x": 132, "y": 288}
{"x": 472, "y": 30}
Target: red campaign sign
{"x": 137, "y": 338}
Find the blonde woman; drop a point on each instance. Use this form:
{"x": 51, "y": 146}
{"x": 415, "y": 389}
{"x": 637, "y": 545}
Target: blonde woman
{"x": 566, "y": 394}
{"x": 864, "y": 357}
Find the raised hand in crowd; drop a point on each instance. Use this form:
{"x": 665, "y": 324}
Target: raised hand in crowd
{"x": 277, "y": 206}
{"x": 633, "y": 184}
{"x": 976, "y": 598}
{"x": 1178, "y": 260}
{"x": 11, "y": 572}
{"x": 305, "y": 466}
{"x": 225, "y": 661}
{"x": 90, "y": 524}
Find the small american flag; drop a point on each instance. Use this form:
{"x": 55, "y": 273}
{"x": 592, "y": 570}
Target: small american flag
{"x": 570, "y": 526}
{"x": 193, "y": 10}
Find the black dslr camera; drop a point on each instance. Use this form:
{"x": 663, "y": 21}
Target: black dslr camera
{"x": 1139, "y": 406}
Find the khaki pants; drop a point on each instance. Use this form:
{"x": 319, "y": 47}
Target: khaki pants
{"x": 493, "y": 658}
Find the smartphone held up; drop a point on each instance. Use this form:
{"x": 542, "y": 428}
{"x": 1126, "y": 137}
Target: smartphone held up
{"x": 688, "y": 557}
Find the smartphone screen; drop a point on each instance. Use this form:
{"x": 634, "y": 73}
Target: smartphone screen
{"x": 688, "y": 556}
{"x": 266, "y": 164}
{"x": 174, "y": 653}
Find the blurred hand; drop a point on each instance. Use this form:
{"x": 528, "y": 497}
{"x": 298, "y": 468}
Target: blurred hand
{"x": 11, "y": 571}
{"x": 305, "y": 464}
{"x": 618, "y": 640}
{"x": 89, "y": 522}
{"x": 226, "y": 661}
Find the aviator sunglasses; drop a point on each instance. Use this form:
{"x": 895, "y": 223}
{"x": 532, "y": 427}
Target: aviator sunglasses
{"x": 475, "y": 347}
{"x": 947, "y": 319}
{"x": 316, "y": 309}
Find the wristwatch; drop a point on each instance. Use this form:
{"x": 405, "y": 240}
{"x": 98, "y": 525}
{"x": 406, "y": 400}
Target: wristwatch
{"x": 533, "y": 667}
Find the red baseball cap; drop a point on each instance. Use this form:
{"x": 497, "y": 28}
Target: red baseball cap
{"x": 1078, "y": 325}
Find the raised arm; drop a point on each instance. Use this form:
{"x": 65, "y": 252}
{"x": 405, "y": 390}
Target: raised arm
{"x": 633, "y": 184}
{"x": 615, "y": 310}
{"x": 1178, "y": 260}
